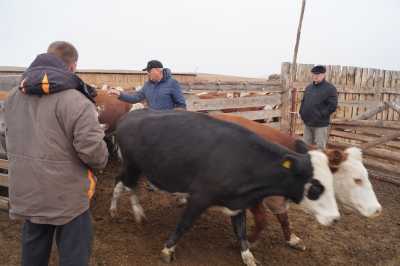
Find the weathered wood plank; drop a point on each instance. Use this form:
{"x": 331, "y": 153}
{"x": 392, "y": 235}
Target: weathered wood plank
{"x": 388, "y": 79}
{"x": 3, "y": 164}
{"x": 396, "y": 79}
{"x": 380, "y": 107}
{"x": 377, "y": 131}
{"x": 228, "y": 103}
{"x": 351, "y": 103}
{"x": 385, "y": 167}
{"x": 4, "y": 180}
{"x": 375, "y": 152}
{"x": 371, "y": 78}
{"x": 341, "y": 81}
{"x": 394, "y": 105}
{"x": 258, "y": 115}
{"x": 359, "y": 137}
{"x": 395, "y": 115}
{"x": 346, "y": 89}
{"x": 358, "y": 77}
{"x": 381, "y": 140}
{"x": 379, "y": 81}
{"x": 364, "y": 78}
{"x": 383, "y": 154}
{"x": 368, "y": 123}
{"x": 4, "y": 203}
{"x": 350, "y": 77}
{"x": 232, "y": 87}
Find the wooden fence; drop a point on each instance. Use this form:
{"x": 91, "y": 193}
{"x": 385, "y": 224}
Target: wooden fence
{"x": 126, "y": 79}
{"x": 267, "y": 85}
{"x": 264, "y": 109}
{"x": 4, "y": 184}
{"x": 368, "y": 111}
{"x": 259, "y": 101}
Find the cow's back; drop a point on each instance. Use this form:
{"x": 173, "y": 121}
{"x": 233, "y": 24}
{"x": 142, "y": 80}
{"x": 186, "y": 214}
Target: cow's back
{"x": 265, "y": 131}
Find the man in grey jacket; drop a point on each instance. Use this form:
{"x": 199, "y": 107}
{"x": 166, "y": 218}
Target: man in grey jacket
{"x": 318, "y": 103}
{"x": 54, "y": 141}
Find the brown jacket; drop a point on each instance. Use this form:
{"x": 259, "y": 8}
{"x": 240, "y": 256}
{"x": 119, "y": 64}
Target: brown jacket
{"x": 52, "y": 142}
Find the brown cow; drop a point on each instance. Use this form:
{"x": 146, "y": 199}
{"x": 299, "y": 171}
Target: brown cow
{"x": 110, "y": 109}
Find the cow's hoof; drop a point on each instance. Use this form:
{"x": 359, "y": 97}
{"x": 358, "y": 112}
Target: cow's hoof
{"x": 181, "y": 201}
{"x": 248, "y": 258}
{"x": 296, "y": 243}
{"x": 168, "y": 254}
{"x": 113, "y": 213}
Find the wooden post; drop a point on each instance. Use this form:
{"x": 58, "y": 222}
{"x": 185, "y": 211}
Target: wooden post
{"x": 285, "y": 97}
{"x": 293, "y": 73}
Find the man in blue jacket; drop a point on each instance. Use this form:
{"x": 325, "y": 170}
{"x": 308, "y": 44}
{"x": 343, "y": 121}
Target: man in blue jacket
{"x": 161, "y": 91}
{"x": 319, "y": 102}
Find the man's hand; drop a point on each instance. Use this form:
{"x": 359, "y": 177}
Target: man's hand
{"x": 113, "y": 91}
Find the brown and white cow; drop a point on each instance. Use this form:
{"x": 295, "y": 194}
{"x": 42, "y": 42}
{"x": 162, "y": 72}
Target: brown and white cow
{"x": 351, "y": 182}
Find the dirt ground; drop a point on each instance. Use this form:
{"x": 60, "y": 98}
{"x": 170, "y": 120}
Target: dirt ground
{"x": 353, "y": 241}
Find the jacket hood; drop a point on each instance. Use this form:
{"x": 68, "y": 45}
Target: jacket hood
{"x": 48, "y": 74}
{"x": 166, "y": 74}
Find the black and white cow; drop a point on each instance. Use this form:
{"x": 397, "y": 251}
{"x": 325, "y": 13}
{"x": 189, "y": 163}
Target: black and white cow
{"x": 216, "y": 163}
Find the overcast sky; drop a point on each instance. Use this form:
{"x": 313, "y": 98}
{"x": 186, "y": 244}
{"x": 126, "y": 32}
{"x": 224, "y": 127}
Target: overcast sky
{"x": 248, "y": 38}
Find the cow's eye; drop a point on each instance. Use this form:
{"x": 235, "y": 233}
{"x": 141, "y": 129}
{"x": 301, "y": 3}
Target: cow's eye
{"x": 358, "y": 181}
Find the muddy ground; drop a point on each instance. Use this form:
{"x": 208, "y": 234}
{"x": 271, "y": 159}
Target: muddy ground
{"x": 353, "y": 241}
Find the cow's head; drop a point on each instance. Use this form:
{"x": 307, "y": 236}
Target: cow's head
{"x": 319, "y": 196}
{"x": 352, "y": 185}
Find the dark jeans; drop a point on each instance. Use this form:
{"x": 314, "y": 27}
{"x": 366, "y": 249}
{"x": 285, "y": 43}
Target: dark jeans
{"x": 73, "y": 241}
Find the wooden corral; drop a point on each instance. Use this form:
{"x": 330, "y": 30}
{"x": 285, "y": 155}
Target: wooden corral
{"x": 367, "y": 114}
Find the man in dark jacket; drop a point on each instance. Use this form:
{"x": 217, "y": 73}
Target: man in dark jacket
{"x": 161, "y": 91}
{"x": 54, "y": 141}
{"x": 319, "y": 102}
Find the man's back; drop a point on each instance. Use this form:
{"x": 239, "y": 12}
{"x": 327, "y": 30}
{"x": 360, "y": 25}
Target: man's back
{"x": 50, "y": 142}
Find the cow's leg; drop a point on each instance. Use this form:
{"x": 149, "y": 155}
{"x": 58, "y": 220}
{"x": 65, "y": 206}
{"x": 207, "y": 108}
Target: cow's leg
{"x": 291, "y": 239}
{"x": 239, "y": 227}
{"x": 118, "y": 189}
{"x": 259, "y": 212}
{"x": 127, "y": 180}
{"x": 194, "y": 208}
{"x": 137, "y": 209}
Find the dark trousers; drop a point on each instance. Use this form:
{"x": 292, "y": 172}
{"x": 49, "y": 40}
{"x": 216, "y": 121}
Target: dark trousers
{"x": 73, "y": 242}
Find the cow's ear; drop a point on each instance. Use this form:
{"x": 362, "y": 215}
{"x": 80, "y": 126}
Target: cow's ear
{"x": 335, "y": 157}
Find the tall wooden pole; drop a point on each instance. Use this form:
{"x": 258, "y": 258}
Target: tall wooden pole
{"x": 293, "y": 71}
